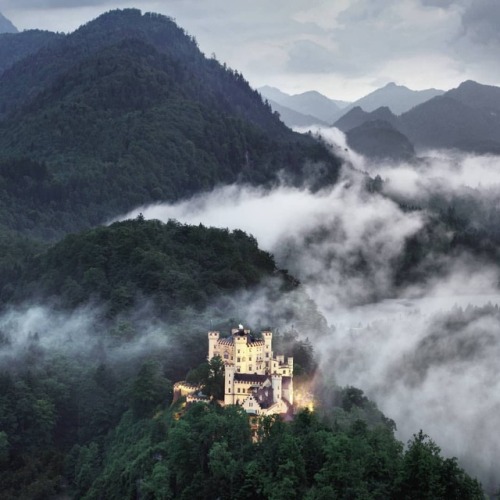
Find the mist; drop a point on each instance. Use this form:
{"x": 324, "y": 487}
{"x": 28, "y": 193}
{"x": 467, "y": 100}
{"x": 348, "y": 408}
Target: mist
{"x": 426, "y": 352}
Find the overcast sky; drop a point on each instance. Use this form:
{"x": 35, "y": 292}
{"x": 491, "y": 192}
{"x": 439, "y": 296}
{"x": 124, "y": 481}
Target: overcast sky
{"x": 342, "y": 48}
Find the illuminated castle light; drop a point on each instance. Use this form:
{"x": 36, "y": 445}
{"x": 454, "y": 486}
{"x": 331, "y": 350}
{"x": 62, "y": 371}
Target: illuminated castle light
{"x": 254, "y": 378}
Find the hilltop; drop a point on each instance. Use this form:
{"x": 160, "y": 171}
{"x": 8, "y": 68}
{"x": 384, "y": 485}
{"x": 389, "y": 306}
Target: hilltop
{"x": 126, "y": 111}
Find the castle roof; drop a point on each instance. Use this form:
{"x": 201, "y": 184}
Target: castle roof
{"x": 251, "y": 341}
{"x": 251, "y": 377}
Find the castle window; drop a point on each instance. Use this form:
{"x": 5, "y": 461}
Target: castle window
{"x": 249, "y": 358}
{"x": 238, "y": 360}
{"x": 229, "y": 390}
{"x": 239, "y": 351}
{"x": 250, "y": 367}
{"x": 238, "y": 369}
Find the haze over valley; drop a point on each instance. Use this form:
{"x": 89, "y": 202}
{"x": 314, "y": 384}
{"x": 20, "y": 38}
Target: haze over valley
{"x": 150, "y": 193}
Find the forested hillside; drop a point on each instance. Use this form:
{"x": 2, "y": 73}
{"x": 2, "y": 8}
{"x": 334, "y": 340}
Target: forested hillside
{"x": 127, "y": 111}
{"x": 97, "y": 322}
{"x": 172, "y": 264}
{"x": 17, "y": 46}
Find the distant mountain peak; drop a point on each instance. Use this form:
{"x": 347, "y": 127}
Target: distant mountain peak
{"x": 469, "y": 83}
{"x": 6, "y": 26}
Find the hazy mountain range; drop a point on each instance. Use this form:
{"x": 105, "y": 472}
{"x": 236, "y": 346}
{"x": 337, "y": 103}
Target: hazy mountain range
{"x": 315, "y": 108}
{"x": 125, "y": 118}
{"x": 466, "y": 118}
{"x": 131, "y": 116}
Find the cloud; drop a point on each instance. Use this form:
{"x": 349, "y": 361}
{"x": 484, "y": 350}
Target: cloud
{"x": 481, "y": 20}
{"x": 426, "y": 353}
{"x": 341, "y": 48}
{"x": 307, "y": 56}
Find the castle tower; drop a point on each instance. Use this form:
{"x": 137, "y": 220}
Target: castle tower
{"x": 240, "y": 351}
{"x": 268, "y": 353}
{"x": 213, "y": 337}
{"x": 276, "y": 382}
{"x": 229, "y": 385}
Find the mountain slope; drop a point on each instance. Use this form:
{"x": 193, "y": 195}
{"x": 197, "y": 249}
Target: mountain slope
{"x": 293, "y": 118}
{"x": 357, "y": 116}
{"x": 476, "y": 95}
{"x": 378, "y": 139}
{"x": 311, "y": 103}
{"x": 465, "y": 118}
{"x": 396, "y": 97}
{"x": 6, "y": 26}
{"x": 16, "y": 46}
{"x": 127, "y": 111}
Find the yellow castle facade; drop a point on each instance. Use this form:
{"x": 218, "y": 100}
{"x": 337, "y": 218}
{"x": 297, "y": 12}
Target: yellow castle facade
{"x": 255, "y": 379}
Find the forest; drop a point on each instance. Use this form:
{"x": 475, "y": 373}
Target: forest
{"x": 90, "y": 414}
{"x": 97, "y": 322}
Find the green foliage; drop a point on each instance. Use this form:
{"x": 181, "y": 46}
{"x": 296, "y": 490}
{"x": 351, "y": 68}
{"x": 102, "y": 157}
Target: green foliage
{"x": 16, "y": 46}
{"x": 127, "y": 111}
{"x": 214, "y": 385}
{"x": 173, "y": 265}
{"x": 150, "y": 390}
{"x": 135, "y": 448}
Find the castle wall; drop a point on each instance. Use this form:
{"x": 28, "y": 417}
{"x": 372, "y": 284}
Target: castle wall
{"x": 245, "y": 357}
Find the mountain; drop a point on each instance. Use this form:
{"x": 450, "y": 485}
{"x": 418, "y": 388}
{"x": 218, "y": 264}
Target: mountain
{"x": 378, "y": 139}
{"x": 293, "y": 118}
{"x": 310, "y": 103}
{"x": 465, "y": 118}
{"x": 478, "y": 96}
{"x": 16, "y": 46}
{"x": 396, "y": 97}
{"x": 126, "y": 111}
{"x": 171, "y": 264}
{"x": 6, "y": 26}
{"x": 357, "y": 116}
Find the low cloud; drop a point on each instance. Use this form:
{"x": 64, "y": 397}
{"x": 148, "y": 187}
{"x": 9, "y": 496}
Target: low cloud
{"x": 426, "y": 353}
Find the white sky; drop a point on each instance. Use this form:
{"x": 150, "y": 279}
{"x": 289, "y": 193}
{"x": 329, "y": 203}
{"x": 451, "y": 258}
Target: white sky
{"x": 342, "y": 48}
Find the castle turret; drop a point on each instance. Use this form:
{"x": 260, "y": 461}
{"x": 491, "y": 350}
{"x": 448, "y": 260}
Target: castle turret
{"x": 240, "y": 351}
{"x": 213, "y": 337}
{"x": 229, "y": 385}
{"x": 268, "y": 353}
{"x": 276, "y": 382}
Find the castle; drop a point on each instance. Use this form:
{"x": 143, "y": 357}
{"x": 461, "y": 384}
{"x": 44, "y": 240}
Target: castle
{"x": 255, "y": 379}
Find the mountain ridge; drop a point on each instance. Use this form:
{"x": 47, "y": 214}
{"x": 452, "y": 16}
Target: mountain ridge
{"x": 6, "y": 26}
{"x": 127, "y": 111}
{"x": 466, "y": 118}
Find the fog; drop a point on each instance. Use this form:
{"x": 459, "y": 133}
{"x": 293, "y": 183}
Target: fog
{"x": 33, "y": 331}
{"x": 421, "y": 351}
